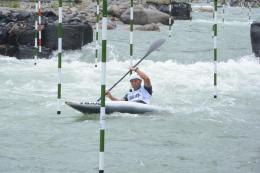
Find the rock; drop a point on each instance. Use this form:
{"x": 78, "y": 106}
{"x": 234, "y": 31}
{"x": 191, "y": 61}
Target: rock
{"x": 23, "y": 15}
{"x": 8, "y": 50}
{"x": 28, "y": 52}
{"x": 204, "y": 8}
{"x": 148, "y": 27}
{"x": 74, "y": 36}
{"x": 74, "y": 21}
{"x": 3, "y": 34}
{"x": 144, "y": 16}
{"x": 21, "y": 34}
{"x": 255, "y": 38}
{"x": 27, "y": 37}
{"x": 51, "y": 15}
{"x": 17, "y": 30}
{"x": 111, "y": 25}
{"x": 117, "y": 10}
{"x": 74, "y": 9}
{"x": 4, "y": 15}
{"x": 5, "y": 12}
{"x": 179, "y": 11}
{"x": 77, "y": 1}
{"x": 158, "y": 1}
{"x": 113, "y": 10}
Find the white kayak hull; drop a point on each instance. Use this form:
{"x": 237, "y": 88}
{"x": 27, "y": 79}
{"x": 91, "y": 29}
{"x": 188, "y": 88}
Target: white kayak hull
{"x": 114, "y": 106}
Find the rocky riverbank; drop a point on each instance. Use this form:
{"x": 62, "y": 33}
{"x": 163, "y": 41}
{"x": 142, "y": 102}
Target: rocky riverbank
{"x": 245, "y": 3}
{"x": 17, "y": 25}
{"x": 17, "y": 30}
{"x": 232, "y": 3}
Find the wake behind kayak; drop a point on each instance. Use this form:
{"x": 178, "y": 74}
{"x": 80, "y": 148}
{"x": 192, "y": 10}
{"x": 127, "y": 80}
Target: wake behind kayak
{"x": 114, "y": 106}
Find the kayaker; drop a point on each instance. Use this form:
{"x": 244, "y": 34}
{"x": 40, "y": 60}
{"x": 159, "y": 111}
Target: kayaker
{"x": 139, "y": 93}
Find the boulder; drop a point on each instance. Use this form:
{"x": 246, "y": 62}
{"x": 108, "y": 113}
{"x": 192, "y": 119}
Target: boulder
{"x": 51, "y": 15}
{"x": 74, "y": 36}
{"x": 21, "y": 34}
{"x": 4, "y": 16}
{"x": 180, "y": 10}
{"x": 28, "y": 52}
{"x": 204, "y": 8}
{"x": 112, "y": 24}
{"x": 22, "y": 15}
{"x": 8, "y": 50}
{"x": 5, "y": 12}
{"x": 144, "y": 16}
{"x": 148, "y": 27}
{"x": 14, "y": 16}
{"x": 158, "y": 1}
{"x": 255, "y": 38}
{"x": 17, "y": 30}
{"x": 117, "y": 10}
{"x": 3, "y": 34}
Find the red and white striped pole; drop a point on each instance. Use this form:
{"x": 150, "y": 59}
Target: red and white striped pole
{"x": 170, "y": 18}
{"x": 40, "y": 25}
{"x": 36, "y": 34}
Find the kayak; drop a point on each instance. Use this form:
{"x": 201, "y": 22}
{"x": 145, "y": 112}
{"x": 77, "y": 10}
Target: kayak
{"x": 114, "y": 106}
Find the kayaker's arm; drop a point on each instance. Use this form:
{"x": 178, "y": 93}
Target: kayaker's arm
{"x": 109, "y": 95}
{"x": 147, "y": 81}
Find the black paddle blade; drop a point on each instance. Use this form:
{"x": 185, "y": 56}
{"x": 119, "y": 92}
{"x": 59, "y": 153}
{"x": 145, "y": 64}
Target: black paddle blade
{"x": 155, "y": 46}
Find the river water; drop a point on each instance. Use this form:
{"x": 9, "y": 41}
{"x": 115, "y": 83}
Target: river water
{"x": 199, "y": 134}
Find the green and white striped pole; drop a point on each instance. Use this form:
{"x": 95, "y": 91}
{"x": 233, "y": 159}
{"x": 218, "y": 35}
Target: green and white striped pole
{"x": 59, "y": 57}
{"x": 131, "y": 43}
{"x": 36, "y": 33}
{"x": 215, "y": 27}
{"x": 249, "y": 12}
{"x": 103, "y": 89}
{"x": 223, "y": 13}
{"x": 40, "y": 25}
{"x": 170, "y": 19}
{"x": 97, "y": 30}
{"x": 242, "y": 7}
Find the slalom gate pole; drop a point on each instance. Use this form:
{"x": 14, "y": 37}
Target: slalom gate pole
{"x": 103, "y": 89}
{"x": 215, "y": 28}
{"x": 60, "y": 34}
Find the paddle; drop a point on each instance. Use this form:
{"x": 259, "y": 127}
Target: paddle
{"x": 152, "y": 48}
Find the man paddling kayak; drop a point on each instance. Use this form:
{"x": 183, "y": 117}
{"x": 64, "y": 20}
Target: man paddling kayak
{"x": 140, "y": 93}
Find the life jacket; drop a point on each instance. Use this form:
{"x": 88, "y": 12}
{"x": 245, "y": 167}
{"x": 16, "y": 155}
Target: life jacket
{"x": 139, "y": 95}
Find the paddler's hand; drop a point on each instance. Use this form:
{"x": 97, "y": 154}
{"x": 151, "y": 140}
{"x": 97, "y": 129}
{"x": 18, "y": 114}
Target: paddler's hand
{"x": 108, "y": 94}
{"x": 134, "y": 69}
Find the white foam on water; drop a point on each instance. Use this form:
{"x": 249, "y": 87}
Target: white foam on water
{"x": 230, "y": 22}
{"x": 176, "y": 86}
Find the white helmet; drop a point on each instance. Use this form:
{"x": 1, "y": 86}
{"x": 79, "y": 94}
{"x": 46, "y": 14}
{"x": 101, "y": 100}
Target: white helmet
{"x": 135, "y": 76}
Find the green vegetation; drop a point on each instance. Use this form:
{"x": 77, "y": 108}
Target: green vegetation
{"x": 10, "y": 4}
{"x": 52, "y": 4}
